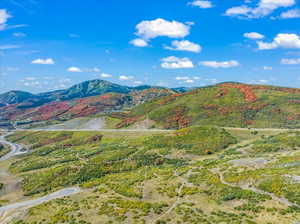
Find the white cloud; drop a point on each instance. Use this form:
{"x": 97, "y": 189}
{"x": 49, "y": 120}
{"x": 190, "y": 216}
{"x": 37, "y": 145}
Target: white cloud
{"x": 290, "y": 61}
{"x": 32, "y": 84}
{"x": 12, "y": 69}
{"x": 264, "y": 8}
{"x": 48, "y": 61}
{"x": 8, "y": 47}
{"x": 189, "y": 81}
{"x": 282, "y": 40}
{"x": 95, "y": 69}
{"x": 254, "y": 35}
{"x": 105, "y": 75}
{"x": 4, "y": 16}
{"x": 30, "y": 78}
{"x": 182, "y": 78}
{"x": 202, "y": 4}
{"x": 19, "y": 34}
{"x": 261, "y": 81}
{"x": 160, "y": 27}
{"x": 267, "y": 68}
{"x": 173, "y": 62}
{"x": 211, "y": 80}
{"x": 74, "y": 69}
{"x": 138, "y": 82}
{"x": 124, "y": 77}
{"x": 293, "y": 13}
{"x": 65, "y": 80}
{"x": 238, "y": 11}
{"x": 222, "y": 64}
{"x": 184, "y": 45}
{"x": 139, "y": 42}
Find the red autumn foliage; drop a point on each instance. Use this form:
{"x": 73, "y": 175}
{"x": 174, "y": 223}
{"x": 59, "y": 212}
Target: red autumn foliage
{"x": 127, "y": 121}
{"x": 178, "y": 120}
{"x": 249, "y": 122}
{"x": 246, "y": 90}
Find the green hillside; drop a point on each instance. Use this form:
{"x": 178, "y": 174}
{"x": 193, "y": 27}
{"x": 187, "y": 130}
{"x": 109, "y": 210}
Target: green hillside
{"x": 227, "y": 104}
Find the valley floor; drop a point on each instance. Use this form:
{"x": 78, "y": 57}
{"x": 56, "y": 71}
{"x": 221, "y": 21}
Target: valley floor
{"x": 196, "y": 175}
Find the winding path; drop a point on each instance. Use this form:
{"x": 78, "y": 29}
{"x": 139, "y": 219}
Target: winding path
{"x": 258, "y": 191}
{"x": 12, "y": 210}
{"x": 15, "y": 149}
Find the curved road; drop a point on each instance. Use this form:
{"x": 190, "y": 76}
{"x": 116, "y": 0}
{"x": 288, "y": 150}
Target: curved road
{"x": 34, "y": 202}
{"x": 9, "y": 211}
{"x": 15, "y": 149}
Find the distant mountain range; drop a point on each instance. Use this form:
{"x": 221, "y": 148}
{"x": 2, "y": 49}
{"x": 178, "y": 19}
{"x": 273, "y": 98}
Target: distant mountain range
{"x": 86, "y": 98}
{"x": 225, "y": 104}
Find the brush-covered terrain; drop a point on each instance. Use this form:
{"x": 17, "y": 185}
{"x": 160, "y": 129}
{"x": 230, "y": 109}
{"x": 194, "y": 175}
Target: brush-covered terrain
{"x": 193, "y": 175}
{"x": 227, "y": 105}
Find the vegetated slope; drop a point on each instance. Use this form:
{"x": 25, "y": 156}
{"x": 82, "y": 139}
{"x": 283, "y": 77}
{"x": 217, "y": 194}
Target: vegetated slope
{"x": 79, "y": 157}
{"x": 225, "y": 104}
{"x": 87, "y": 98}
{"x": 147, "y": 178}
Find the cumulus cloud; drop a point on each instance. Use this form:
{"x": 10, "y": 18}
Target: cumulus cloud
{"x": 290, "y": 14}
{"x": 238, "y": 11}
{"x": 4, "y": 16}
{"x": 74, "y": 69}
{"x": 125, "y": 78}
{"x": 184, "y": 45}
{"x": 48, "y": 61}
{"x": 150, "y": 29}
{"x": 222, "y": 64}
{"x": 290, "y": 61}
{"x": 282, "y": 40}
{"x": 201, "y": 4}
{"x": 173, "y": 62}
{"x": 254, "y": 35}
{"x": 139, "y": 42}
{"x": 264, "y": 8}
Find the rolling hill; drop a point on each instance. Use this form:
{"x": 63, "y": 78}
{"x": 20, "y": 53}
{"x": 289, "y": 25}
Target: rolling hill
{"x": 224, "y": 104}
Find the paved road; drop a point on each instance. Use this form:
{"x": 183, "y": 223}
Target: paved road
{"x": 34, "y": 202}
{"x": 15, "y": 149}
{"x": 100, "y": 130}
{"x": 262, "y": 129}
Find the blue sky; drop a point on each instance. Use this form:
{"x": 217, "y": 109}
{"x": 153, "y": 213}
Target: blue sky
{"x": 47, "y": 45}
